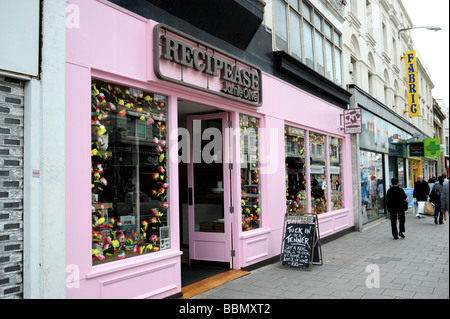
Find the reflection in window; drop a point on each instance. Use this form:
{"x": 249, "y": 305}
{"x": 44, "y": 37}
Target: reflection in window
{"x": 318, "y": 167}
{"x": 295, "y": 169}
{"x": 250, "y": 183}
{"x": 129, "y": 182}
{"x": 336, "y": 173}
{"x": 372, "y": 186}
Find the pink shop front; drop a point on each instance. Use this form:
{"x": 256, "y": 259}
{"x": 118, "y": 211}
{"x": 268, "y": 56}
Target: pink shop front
{"x": 194, "y": 155}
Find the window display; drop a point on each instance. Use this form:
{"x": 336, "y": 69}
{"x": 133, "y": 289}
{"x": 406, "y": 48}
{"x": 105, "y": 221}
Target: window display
{"x": 372, "y": 186}
{"x": 295, "y": 169}
{"x": 318, "y": 171}
{"x": 250, "y": 183}
{"x": 129, "y": 172}
{"x": 336, "y": 173}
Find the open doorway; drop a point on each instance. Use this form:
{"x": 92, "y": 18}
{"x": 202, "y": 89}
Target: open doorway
{"x": 204, "y": 193}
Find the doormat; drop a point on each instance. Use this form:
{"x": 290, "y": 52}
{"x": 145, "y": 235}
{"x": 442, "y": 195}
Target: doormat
{"x": 195, "y": 272}
{"x": 211, "y": 282}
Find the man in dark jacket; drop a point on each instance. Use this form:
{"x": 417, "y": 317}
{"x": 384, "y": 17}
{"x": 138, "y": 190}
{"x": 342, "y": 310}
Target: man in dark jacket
{"x": 395, "y": 198}
{"x": 421, "y": 193}
{"x": 421, "y": 189}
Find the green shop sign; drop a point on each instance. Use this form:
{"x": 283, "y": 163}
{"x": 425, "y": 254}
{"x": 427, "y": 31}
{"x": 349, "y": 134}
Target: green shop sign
{"x": 428, "y": 148}
{"x": 432, "y": 147}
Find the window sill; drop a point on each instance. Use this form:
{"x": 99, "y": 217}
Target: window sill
{"x": 125, "y": 264}
{"x": 255, "y": 232}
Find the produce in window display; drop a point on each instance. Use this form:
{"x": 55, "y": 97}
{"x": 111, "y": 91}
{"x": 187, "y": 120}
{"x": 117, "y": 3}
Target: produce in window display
{"x": 298, "y": 204}
{"x": 109, "y": 237}
{"x": 295, "y": 170}
{"x": 336, "y": 200}
{"x": 250, "y": 190}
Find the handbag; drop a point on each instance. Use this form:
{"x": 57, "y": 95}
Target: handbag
{"x": 428, "y": 209}
{"x": 405, "y": 205}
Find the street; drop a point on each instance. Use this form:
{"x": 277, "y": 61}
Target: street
{"x": 361, "y": 265}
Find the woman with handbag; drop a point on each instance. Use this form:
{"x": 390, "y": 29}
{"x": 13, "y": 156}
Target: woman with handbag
{"x": 396, "y": 205}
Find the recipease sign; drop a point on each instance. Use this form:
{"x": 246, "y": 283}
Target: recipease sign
{"x": 201, "y": 66}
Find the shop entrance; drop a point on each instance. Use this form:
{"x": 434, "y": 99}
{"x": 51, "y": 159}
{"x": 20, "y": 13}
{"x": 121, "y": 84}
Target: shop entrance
{"x": 205, "y": 189}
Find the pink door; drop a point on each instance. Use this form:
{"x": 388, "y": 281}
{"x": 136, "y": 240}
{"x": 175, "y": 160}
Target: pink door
{"x": 209, "y": 188}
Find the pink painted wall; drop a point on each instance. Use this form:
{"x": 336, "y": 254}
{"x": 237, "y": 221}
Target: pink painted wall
{"x": 117, "y": 45}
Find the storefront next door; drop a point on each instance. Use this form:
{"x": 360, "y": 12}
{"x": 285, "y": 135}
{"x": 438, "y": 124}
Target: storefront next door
{"x": 209, "y": 189}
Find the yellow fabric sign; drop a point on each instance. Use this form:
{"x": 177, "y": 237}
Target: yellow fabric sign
{"x": 411, "y": 76}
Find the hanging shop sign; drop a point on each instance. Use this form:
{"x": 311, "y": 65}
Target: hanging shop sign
{"x": 411, "y": 75}
{"x": 432, "y": 147}
{"x": 182, "y": 59}
{"x": 352, "y": 121}
{"x": 416, "y": 149}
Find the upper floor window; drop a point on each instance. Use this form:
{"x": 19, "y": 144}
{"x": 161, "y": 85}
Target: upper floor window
{"x": 304, "y": 33}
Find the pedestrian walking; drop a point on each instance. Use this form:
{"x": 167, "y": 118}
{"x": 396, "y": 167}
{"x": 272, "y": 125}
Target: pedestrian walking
{"x": 444, "y": 199}
{"x": 435, "y": 198}
{"x": 396, "y": 205}
{"x": 420, "y": 193}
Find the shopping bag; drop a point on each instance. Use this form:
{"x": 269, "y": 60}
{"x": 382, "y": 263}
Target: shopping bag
{"x": 428, "y": 209}
{"x": 420, "y": 208}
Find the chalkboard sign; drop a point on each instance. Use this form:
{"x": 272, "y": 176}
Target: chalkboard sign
{"x": 300, "y": 245}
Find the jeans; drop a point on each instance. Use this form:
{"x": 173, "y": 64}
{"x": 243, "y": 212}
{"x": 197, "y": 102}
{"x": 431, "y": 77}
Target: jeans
{"x": 438, "y": 213}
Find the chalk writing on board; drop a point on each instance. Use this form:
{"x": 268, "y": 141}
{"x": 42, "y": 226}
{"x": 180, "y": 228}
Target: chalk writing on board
{"x": 298, "y": 241}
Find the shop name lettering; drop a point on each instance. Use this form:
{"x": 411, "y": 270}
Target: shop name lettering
{"x": 373, "y": 128}
{"x": 244, "y": 82}
{"x": 412, "y": 83}
{"x": 377, "y": 130}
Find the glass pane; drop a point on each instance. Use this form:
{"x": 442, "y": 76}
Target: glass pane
{"x": 295, "y": 169}
{"x": 329, "y": 57}
{"x": 336, "y": 173}
{"x": 337, "y": 63}
{"x": 337, "y": 39}
{"x": 129, "y": 182}
{"x": 401, "y": 172}
{"x": 319, "y": 53}
{"x": 296, "y": 44}
{"x": 372, "y": 181}
{"x": 317, "y": 22}
{"x": 328, "y": 32}
{"x": 306, "y": 11}
{"x": 208, "y": 177}
{"x": 294, "y": 4}
{"x": 250, "y": 183}
{"x": 318, "y": 169}
{"x": 280, "y": 25}
{"x": 309, "y": 50}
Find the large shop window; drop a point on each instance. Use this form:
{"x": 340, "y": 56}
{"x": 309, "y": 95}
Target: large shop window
{"x": 297, "y": 197}
{"x": 372, "y": 186}
{"x": 295, "y": 169}
{"x": 250, "y": 182}
{"x": 129, "y": 172}
{"x": 336, "y": 173}
{"x": 318, "y": 171}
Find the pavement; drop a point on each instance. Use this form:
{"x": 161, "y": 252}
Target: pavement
{"x": 368, "y": 264}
